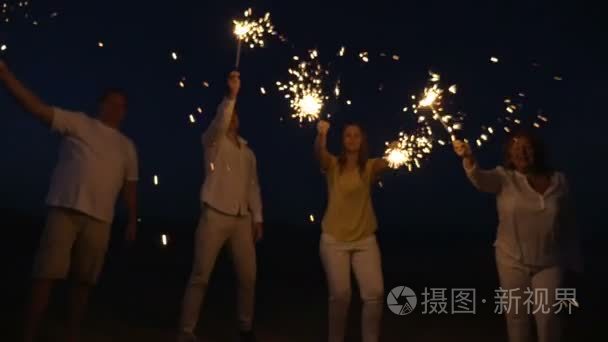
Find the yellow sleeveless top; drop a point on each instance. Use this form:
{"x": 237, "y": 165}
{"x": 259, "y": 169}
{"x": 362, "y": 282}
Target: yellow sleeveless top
{"x": 349, "y": 215}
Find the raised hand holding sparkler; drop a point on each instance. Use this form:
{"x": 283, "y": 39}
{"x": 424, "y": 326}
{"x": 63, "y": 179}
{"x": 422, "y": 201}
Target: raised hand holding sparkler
{"x": 463, "y": 150}
{"x": 234, "y": 84}
{"x": 323, "y": 127}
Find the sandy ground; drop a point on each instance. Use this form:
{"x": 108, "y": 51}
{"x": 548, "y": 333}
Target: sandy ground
{"x": 139, "y": 295}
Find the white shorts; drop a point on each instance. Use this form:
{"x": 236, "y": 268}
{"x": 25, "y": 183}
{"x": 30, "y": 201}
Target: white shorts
{"x": 74, "y": 239}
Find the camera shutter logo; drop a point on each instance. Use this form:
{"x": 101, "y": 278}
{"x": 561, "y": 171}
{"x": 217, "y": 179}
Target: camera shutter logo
{"x": 402, "y": 300}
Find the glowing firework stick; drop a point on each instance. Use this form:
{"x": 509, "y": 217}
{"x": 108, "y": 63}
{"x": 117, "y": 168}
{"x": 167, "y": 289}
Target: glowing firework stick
{"x": 238, "y": 54}
{"x": 251, "y": 31}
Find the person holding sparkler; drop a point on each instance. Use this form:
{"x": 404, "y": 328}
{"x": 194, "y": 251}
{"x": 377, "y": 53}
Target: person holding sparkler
{"x": 537, "y": 240}
{"x": 231, "y": 214}
{"x": 348, "y": 240}
{"x": 96, "y": 163}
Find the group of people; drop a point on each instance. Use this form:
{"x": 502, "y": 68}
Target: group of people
{"x": 536, "y": 240}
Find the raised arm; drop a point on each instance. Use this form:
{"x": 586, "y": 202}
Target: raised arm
{"x": 28, "y": 100}
{"x": 484, "y": 180}
{"x": 323, "y": 156}
{"x": 221, "y": 122}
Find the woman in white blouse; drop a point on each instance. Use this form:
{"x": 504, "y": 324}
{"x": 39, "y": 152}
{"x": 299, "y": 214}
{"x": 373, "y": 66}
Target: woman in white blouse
{"x": 536, "y": 242}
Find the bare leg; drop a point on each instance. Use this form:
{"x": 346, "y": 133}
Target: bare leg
{"x": 39, "y": 300}
{"x": 79, "y": 296}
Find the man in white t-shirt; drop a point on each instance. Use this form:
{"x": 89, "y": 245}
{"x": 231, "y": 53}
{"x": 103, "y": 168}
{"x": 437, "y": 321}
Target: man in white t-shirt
{"x": 231, "y": 216}
{"x": 96, "y": 163}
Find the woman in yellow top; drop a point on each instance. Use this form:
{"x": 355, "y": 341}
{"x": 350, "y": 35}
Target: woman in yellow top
{"x": 349, "y": 226}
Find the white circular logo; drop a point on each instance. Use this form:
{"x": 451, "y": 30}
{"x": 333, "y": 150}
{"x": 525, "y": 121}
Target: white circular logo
{"x": 401, "y": 300}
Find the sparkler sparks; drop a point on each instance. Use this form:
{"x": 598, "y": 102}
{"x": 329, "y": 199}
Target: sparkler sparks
{"x": 156, "y": 180}
{"x": 174, "y": 55}
{"x": 408, "y": 150}
{"x": 164, "y": 239}
{"x": 364, "y": 56}
{"x": 252, "y": 31}
{"x": 305, "y": 89}
{"x": 429, "y": 109}
{"x": 10, "y": 8}
{"x": 432, "y": 96}
{"x": 396, "y": 157}
{"x": 337, "y": 89}
{"x": 494, "y": 59}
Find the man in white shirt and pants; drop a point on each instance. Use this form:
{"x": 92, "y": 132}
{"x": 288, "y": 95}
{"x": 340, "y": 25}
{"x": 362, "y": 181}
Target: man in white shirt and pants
{"x": 96, "y": 163}
{"x": 231, "y": 214}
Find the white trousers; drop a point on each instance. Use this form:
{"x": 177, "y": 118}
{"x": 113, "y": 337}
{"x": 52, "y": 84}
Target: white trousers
{"x": 515, "y": 275}
{"x": 214, "y": 231}
{"x": 364, "y": 258}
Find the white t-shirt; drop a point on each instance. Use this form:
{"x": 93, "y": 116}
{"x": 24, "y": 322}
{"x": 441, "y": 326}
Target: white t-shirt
{"x": 95, "y": 161}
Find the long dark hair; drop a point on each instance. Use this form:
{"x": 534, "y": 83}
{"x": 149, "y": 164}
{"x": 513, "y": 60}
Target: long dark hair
{"x": 363, "y": 155}
{"x": 540, "y": 163}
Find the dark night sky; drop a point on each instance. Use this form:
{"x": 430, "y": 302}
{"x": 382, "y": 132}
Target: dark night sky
{"x": 60, "y": 60}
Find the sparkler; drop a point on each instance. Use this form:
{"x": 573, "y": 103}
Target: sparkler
{"x": 409, "y": 149}
{"x": 251, "y": 31}
{"x": 432, "y": 103}
{"x": 305, "y": 89}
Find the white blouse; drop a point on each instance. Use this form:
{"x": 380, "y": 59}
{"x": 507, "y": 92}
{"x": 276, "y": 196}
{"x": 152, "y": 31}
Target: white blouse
{"x": 535, "y": 229}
